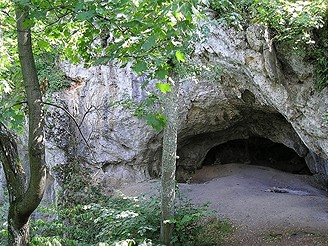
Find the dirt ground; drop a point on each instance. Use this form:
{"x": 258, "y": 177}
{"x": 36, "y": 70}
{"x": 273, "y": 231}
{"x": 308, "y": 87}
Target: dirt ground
{"x": 266, "y": 206}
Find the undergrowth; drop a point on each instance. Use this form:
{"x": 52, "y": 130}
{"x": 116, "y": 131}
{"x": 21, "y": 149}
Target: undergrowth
{"x": 124, "y": 220}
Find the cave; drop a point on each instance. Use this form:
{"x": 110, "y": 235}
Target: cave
{"x": 255, "y": 137}
{"x": 257, "y": 151}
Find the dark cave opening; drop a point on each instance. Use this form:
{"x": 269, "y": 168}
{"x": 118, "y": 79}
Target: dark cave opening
{"x": 257, "y": 151}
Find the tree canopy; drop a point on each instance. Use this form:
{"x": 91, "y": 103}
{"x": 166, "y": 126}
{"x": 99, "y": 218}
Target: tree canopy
{"x": 149, "y": 34}
{"x": 144, "y": 33}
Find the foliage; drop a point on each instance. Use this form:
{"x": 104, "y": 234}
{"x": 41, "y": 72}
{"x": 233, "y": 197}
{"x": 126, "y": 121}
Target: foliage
{"x": 12, "y": 110}
{"x": 149, "y": 35}
{"x": 11, "y": 87}
{"x": 320, "y": 56}
{"x": 3, "y": 236}
{"x": 12, "y": 97}
{"x": 301, "y": 26}
{"x": 321, "y": 69}
{"x": 146, "y": 33}
{"x": 233, "y": 13}
{"x": 76, "y": 186}
{"x": 187, "y": 224}
{"x": 293, "y": 21}
{"x": 120, "y": 219}
{"x": 148, "y": 109}
{"x": 50, "y": 76}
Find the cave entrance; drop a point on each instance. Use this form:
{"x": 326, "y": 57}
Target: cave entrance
{"x": 257, "y": 151}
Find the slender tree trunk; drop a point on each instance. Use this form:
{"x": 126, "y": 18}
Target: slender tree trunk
{"x": 169, "y": 162}
{"x": 36, "y": 147}
{"x": 23, "y": 200}
{"x": 16, "y": 180}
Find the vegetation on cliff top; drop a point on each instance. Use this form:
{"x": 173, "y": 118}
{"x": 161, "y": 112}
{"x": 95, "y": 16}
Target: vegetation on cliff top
{"x": 300, "y": 25}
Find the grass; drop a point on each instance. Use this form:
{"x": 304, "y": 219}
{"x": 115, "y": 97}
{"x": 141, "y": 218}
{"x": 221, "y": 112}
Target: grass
{"x": 215, "y": 231}
{"x": 273, "y": 237}
{"x": 295, "y": 237}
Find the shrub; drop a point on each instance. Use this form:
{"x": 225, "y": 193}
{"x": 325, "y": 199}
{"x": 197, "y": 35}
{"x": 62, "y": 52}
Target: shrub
{"x": 119, "y": 219}
{"x": 122, "y": 221}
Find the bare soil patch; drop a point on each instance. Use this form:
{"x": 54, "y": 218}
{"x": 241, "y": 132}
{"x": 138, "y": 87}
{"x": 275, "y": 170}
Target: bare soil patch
{"x": 249, "y": 197}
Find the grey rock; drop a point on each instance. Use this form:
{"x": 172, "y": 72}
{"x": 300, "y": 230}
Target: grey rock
{"x": 259, "y": 94}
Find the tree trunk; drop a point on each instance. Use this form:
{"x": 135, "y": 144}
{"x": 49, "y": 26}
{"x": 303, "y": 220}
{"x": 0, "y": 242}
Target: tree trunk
{"x": 24, "y": 200}
{"x": 169, "y": 162}
{"x": 16, "y": 180}
{"x": 36, "y": 147}
{"x": 18, "y": 234}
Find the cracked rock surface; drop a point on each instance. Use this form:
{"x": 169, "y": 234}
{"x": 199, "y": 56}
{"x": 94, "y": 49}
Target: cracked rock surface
{"x": 263, "y": 91}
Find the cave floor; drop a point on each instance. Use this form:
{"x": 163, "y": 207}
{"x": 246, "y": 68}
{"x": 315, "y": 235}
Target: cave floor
{"x": 266, "y": 206}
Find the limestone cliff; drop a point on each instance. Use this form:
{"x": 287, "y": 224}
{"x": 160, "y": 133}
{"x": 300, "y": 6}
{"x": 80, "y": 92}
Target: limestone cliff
{"x": 263, "y": 91}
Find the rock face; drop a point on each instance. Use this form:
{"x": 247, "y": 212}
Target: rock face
{"x": 263, "y": 91}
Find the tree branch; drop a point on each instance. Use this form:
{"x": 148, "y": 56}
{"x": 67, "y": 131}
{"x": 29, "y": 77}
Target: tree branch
{"x": 72, "y": 117}
{"x": 68, "y": 113}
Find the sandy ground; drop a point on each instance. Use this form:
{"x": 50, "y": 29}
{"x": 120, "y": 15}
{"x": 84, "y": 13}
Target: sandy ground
{"x": 244, "y": 194}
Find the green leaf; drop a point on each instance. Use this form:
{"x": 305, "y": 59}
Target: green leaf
{"x": 163, "y": 87}
{"x": 157, "y": 121}
{"x": 38, "y": 14}
{"x": 161, "y": 73}
{"x": 186, "y": 8}
{"x": 180, "y": 56}
{"x": 67, "y": 33}
{"x": 132, "y": 23}
{"x": 28, "y": 23}
{"x": 131, "y": 243}
{"x": 86, "y": 15}
{"x": 139, "y": 67}
{"x": 186, "y": 218}
{"x": 23, "y": 2}
{"x": 44, "y": 45}
{"x": 150, "y": 43}
{"x": 178, "y": 15}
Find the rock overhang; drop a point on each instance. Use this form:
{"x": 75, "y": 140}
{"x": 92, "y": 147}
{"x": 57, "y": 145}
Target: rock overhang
{"x": 257, "y": 94}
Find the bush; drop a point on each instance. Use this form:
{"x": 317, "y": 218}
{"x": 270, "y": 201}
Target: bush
{"x": 122, "y": 221}
{"x": 119, "y": 219}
